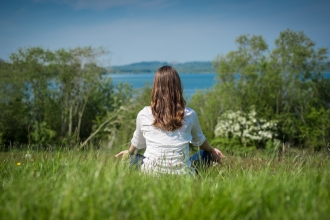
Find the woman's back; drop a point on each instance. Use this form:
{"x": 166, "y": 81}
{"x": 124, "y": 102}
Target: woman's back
{"x": 167, "y": 151}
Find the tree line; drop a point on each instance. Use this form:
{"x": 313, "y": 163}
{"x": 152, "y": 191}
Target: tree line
{"x": 263, "y": 98}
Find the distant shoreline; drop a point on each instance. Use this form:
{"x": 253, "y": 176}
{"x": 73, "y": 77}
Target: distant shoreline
{"x": 152, "y": 67}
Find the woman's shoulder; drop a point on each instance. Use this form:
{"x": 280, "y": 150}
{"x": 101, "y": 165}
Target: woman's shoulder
{"x": 189, "y": 111}
{"x": 146, "y": 111}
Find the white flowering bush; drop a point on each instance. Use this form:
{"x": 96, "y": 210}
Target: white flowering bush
{"x": 246, "y": 127}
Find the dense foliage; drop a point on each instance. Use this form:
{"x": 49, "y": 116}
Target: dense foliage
{"x": 285, "y": 84}
{"x": 56, "y": 97}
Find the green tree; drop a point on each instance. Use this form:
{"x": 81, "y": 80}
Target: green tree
{"x": 31, "y": 67}
{"x": 301, "y": 68}
{"x": 14, "y": 107}
{"x": 284, "y": 84}
{"x": 47, "y": 96}
{"x": 78, "y": 75}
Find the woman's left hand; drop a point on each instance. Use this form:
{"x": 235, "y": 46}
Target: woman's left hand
{"x": 123, "y": 154}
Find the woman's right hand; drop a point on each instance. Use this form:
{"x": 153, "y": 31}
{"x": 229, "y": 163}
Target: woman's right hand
{"x": 216, "y": 155}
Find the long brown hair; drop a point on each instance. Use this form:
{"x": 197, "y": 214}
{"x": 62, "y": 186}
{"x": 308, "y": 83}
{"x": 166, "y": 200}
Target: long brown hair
{"x": 167, "y": 102}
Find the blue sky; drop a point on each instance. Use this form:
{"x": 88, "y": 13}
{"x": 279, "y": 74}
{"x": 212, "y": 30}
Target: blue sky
{"x": 156, "y": 30}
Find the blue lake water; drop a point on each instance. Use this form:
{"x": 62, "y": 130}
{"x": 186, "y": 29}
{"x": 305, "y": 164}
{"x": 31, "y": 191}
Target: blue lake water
{"x": 191, "y": 81}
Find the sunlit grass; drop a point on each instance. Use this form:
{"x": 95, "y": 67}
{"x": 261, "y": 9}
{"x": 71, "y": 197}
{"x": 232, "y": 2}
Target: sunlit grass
{"x": 92, "y": 185}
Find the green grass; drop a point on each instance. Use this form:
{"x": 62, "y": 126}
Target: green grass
{"x": 92, "y": 185}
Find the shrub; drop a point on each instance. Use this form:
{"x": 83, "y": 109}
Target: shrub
{"x": 247, "y": 128}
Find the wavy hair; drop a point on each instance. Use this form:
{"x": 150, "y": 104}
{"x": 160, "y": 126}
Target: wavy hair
{"x": 167, "y": 102}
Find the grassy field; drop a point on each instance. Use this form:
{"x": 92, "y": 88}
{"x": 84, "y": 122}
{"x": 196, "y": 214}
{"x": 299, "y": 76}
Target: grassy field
{"x": 92, "y": 185}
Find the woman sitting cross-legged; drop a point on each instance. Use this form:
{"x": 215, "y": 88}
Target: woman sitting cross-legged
{"x": 166, "y": 128}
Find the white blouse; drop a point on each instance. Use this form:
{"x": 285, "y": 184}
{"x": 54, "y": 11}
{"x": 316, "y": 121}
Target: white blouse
{"x": 167, "y": 151}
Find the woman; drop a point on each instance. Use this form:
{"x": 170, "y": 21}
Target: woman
{"x": 166, "y": 128}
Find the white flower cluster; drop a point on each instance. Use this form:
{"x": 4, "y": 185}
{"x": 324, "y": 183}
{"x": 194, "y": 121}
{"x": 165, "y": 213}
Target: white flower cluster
{"x": 245, "y": 126}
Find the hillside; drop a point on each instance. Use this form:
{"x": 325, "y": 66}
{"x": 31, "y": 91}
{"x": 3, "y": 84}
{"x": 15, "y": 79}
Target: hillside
{"x": 152, "y": 67}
